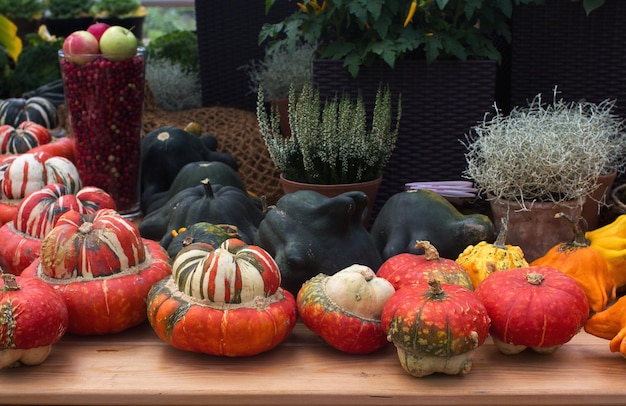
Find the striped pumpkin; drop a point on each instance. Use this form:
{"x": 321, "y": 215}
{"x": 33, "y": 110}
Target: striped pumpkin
{"x": 40, "y": 110}
{"x": 30, "y": 172}
{"x": 26, "y": 136}
{"x": 36, "y": 215}
{"x": 225, "y": 301}
{"x": 103, "y": 269}
{"x": 233, "y": 273}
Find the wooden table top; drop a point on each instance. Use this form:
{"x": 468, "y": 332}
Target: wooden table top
{"x": 136, "y": 367}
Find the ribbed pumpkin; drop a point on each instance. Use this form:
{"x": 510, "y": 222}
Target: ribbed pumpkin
{"x": 536, "y": 307}
{"x": 102, "y": 268}
{"x": 435, "y": 327}
{"x": 33, "y": 317}
{"x": 26, "y": 136}
{"x": 345, "y": 308}
{"x": 37, "y": 215}
{"x": 610, "y": 240}
{"x": 225, "y": 301}
{"x": 29, "y": 172}
{"x": 610, "y": 324}
{"x": 583, "y": 263}
{"x": 484, "y": 258}
{"x": 40, "y": 110}
{"x": 407, "y": 268}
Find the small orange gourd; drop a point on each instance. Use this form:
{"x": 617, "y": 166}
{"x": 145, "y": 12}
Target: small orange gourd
{"x": 610, "y": 324}
{"x": 583, "y": 263}
{"x": 482, "y": 259}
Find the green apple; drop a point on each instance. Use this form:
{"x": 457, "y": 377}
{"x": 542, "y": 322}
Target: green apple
{"x": 118, "y": 43}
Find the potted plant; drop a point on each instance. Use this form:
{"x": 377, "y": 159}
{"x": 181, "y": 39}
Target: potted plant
{"x": 330, "y": 144}
{"x": 66, "y": 16}
{"x": 543, "y": 156}
{"x": 441, "y": 55}
{"x": 277, "y": 73}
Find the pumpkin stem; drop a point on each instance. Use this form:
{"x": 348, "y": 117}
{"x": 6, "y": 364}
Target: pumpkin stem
{"x": 534, "y": 278}
{"x": 501, "y": 239}
{"x": 430, "y": 252}
{"x": 577, "y": 228}
{"x": 208, "y": 190}
{"x": 435, "y": 288}
{"x": 10, "y": 284}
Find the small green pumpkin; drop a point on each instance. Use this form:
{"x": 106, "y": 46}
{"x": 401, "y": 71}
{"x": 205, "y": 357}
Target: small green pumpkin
{"x": 203, "y": 231}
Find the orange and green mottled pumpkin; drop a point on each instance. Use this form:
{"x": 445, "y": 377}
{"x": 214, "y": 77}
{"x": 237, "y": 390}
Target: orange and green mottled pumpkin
{"x": 435, "y": 327}
{"x": 225, "y": 301}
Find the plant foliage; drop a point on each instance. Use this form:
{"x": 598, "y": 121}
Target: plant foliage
{"x": 330, "y": 141}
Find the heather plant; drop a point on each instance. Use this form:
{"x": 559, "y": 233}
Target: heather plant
{"x": 330, "y": 140}
{"x": 546, "y": 152}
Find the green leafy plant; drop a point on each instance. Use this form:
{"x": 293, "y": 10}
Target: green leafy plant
{"x": 361, "y": 31}
{"x": 280, "y": 70}
{"x": 22, "y": 9}
{"x": 70, "y": 8}
{"x": 547, "y": 153}
{"x": 330, "y": 141}
{"x": 118, "y": 8}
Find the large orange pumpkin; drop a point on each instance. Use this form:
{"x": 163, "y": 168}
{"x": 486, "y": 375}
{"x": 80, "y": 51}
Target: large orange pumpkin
{"x": 102, "y": 268}
{"x": 225, "y": 301}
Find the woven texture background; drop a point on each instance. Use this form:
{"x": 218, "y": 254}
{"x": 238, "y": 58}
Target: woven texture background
{"x": 228, "y": 39}
{"x": 237, "y": 133}
{"x": 559, "y": 45}
{"x": 440, "y": 104}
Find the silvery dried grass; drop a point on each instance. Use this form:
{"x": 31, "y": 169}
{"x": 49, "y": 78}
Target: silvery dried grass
{"x": 175, "y": 88}
{"x": 330, "y": 141}
{"x": 550, "y": 153}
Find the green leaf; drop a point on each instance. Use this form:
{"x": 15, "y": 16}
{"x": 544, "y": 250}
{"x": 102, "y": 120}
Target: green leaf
{"x": 590, "y": 5}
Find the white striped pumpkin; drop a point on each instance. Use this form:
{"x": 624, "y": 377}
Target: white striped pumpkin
{"x": 24, "y": 137}
{"x": 91, "y": 246}
{"x": 14, "y": 111}
{"x": 233, "y": 273}
{"x": 30, "y": 172}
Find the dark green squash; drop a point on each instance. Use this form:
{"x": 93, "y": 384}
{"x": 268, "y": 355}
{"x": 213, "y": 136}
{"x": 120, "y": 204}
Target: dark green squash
{"x": 15, "y": 111}
{"x": 191, "y": 175}
{"x": 164, "y": 152}
{"x": 209, "y": 233}
{"x": 308, "y": 233}
{"x": 214, "y": 204}
{"x": 424, "y": 215}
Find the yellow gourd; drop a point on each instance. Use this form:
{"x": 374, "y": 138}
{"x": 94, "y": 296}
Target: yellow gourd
{"x": 610, "y": 241}
{"x": 482, "y": 259}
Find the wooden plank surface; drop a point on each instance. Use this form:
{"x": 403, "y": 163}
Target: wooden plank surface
{"x": 136, "y": 367}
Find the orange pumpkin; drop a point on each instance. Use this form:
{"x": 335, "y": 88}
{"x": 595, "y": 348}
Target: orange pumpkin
{"x": 610, "y": 324}
{"x": 583, "y": 263}
{"x": 225, "y": 301}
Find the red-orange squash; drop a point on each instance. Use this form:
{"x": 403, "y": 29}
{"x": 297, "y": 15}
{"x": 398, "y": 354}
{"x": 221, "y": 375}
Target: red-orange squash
{"x": 408, "y": 268}
{"x": 537, "y": 307}
{"x": 102, "y": 268}
{"x": 224, "y": 301}
{"x": 33, "y": 317}
{"x": 435, "y": 327}
{"x": 344, "y": 309}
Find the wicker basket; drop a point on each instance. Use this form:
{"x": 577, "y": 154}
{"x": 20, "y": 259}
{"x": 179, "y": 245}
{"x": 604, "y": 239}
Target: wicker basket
{"x": 440, "y": 104}
{"x": 228, "y": 38}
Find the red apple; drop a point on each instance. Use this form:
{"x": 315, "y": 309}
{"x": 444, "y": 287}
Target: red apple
{"x": 97, "y": 29}
{"x": 118, "y": 43}
{"x": 81, "y": 47}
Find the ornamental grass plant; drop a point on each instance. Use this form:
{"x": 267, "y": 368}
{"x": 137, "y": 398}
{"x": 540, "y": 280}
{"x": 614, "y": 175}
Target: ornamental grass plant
{"x": 330, "y": 142}
{"x": 546, "y": 152}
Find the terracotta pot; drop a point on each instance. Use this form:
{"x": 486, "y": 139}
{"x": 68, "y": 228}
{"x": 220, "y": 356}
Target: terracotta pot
{"x": 536, "y": 230}
{"x": 370, "y": 188}
{"x": 593, "y": 205}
